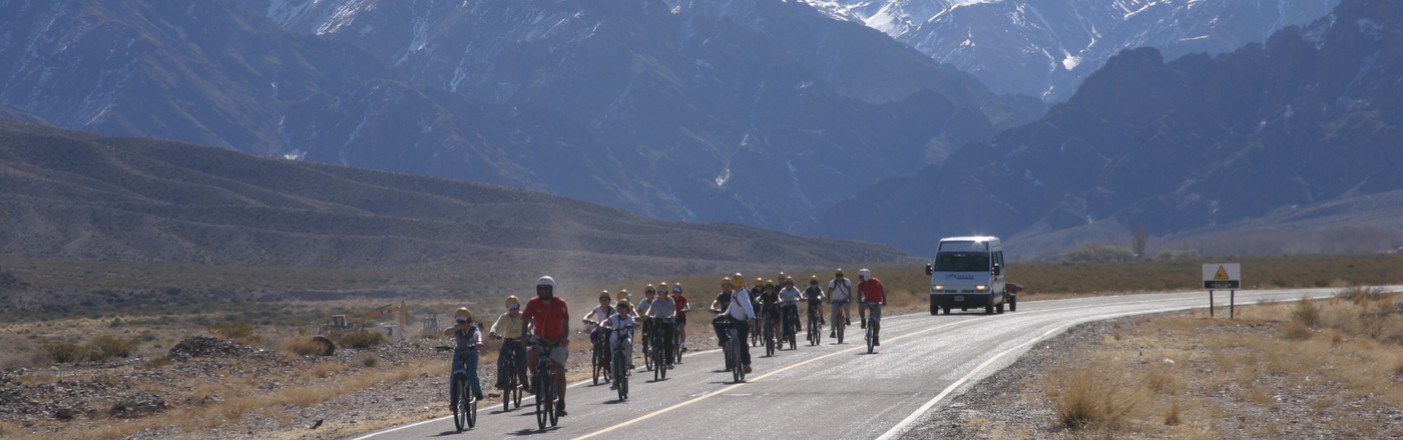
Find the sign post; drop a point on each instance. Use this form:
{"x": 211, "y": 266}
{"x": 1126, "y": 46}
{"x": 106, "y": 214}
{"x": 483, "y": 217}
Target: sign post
{"x": 1223, "y": 276}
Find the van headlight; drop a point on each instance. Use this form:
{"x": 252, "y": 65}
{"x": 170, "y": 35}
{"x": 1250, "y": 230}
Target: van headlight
{"x": 981, "y": 288}
{"x": 938, "y": 288}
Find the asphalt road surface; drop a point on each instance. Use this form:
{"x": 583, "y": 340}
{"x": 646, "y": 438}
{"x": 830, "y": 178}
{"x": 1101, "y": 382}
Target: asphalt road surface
{"x": 831, "y": 391}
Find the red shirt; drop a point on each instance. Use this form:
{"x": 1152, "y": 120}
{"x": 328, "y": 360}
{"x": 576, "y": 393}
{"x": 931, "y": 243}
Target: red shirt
{"x": 681, "y": 304}
{"x": 549, "y": 318}
{"x": 871, "y": 289}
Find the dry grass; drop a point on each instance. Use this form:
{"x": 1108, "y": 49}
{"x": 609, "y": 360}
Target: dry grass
{"x": 1222, "y": 375}
{"x": 302, "y": 346}
{"x": 1096, "y": 395}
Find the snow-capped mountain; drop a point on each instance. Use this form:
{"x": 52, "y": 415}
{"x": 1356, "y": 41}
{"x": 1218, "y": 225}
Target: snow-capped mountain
{"x": 1045, "y": 48}
{"x": 748, "y": 111}
{"x": 1303, "y": 129}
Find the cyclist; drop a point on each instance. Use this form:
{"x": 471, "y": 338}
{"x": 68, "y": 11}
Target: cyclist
{"x": 661, "y": 313}
{"x": 508, "y": 329}
{"x": 594, "y": 318}
{"x": 769, "y": 307}
{"x": 549, "y": 320}
{"x": 815, "y": 296}
{"x": 718, "y": 306}
{"x": 742, "y": 316}
{"x": 683, "y": 306}
{"x": 624, "y": 295}
{"x": 468, "y": 338}
{"x": 874, "y": 296}
{"x": 789, "y": 305}
{"x": 641, "y": 312}
{"x": 840, "y": 294}
{"x": 616, "y": 324}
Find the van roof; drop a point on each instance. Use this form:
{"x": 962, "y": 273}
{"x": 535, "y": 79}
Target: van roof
{"x": 974, "y": 238}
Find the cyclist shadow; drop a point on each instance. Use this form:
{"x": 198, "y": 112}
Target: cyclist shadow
{"x": 529, "y": 431}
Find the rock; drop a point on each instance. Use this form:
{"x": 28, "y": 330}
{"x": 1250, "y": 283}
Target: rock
{"x": 205, "y": 346}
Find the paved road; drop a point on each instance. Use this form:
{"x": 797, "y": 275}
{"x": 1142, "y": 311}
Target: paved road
{"x": 831, "y": 391}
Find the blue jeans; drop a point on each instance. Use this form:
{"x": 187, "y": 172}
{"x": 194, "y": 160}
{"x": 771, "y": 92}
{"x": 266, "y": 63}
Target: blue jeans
{"x": 466, "y": 362}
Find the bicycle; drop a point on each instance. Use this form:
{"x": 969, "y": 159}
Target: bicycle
{"x": 871, "y": 323}
{"x": 840, "y": 319}
{"x": 789, "y": 325}
{"x": 648, "y": 331}
{"x": 677, "y": 343}
{"x": 511, "y": 393}
{"x": 734, "y": 354}
{"x": 620, "y": 364}
{"x": 465, "y": 412}
{"x": 599, "y": 358}
{"x": 815, "y": 324}
{"x": 769, "y": 331}
{"x": 545, "y": 389}
{"x": 659, "y": 354}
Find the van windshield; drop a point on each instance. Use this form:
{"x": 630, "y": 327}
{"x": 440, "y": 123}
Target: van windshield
{"x": 962, "y": 262}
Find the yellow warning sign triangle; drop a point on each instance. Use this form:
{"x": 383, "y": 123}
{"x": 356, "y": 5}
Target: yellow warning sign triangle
{"x": 1222, "y": 274}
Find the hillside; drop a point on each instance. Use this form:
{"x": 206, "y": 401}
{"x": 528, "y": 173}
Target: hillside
{"x": 82, "y": 196}
{"x": 1308, "y": 119}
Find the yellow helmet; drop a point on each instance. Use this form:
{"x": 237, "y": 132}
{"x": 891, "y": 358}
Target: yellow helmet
{"x": 622, "y": 295}
{"x": 662, "y": 287}
{"x": 512, "y": 301}
{"x": 738, "y": 280}
{"x": 623, "y": 303}
{"x": 462, "y": 314}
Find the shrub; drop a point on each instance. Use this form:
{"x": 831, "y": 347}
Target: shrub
{"x": 1295, "y": 331}
{"x": 370, "y": 360}
{"x": 108, "y": 346}
{"x": 1099, "y": 253}
{"x": 361, "y": 339}
{"x": 63, "y": 352}
{"x": 303, "y": 347}
{"x": 237, "y": 331}
{"x": 101, "y": 347}
{"x": 1306, "y": 313}
{"x": 1092, "y": 395}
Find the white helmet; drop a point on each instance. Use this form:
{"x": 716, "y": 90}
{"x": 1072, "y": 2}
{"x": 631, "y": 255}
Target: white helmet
{"x": 545, "y": 281}
{"x": 864, "y": 274}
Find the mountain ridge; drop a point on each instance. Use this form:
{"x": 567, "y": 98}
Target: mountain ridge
{"x": 87, "y": 196}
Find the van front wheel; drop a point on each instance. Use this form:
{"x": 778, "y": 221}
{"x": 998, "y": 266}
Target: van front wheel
{"x": 934, "y": 309}
{"x": 1013, "y": 303}
{"x": 989, "y": 309}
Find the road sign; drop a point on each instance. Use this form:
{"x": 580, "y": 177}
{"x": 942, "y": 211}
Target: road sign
{"x": 1222, "y": 276}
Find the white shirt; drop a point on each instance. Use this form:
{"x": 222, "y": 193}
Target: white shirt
{"x": 840, "y": 292}
{"x": 740, "y": 308}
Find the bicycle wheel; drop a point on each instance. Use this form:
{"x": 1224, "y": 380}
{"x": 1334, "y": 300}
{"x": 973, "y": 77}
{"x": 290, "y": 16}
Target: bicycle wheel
{"x": 738, "y": 373}
{"x": 648, "y": 355}
{"x": 472, "y": 410}
{"x": 507, "y": 386}
{"x": 516, "y": 396}
{"x": 870, "y": 340}
{"x": 621, "y": 375}
{"x": 596, "y": 366}
{"x": 839, "y": 327}
{"x": 660, "y": 370}
{"x": 543, "y": 403}
{"x": 460, "y": 413}
{"x": 769, "y": 341}
{"x": 554, "y": 415}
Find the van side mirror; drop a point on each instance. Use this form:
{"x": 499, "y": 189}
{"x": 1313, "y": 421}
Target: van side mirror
{"x": 997, "y": 270}
{"x": 929, "y": 270}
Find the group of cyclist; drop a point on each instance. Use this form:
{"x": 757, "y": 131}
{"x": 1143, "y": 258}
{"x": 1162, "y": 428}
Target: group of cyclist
{"x": 543, "y": 323}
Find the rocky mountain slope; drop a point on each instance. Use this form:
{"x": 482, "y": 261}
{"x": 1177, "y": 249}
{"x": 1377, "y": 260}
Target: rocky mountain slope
{"x": 752, "y": 112}
{"x": 1308, "y": 119}
{"x": 1046, "y": 48}
{"x": 77, "y": 195}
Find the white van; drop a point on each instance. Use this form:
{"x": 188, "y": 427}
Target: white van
{"x": 969, "y": 272}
